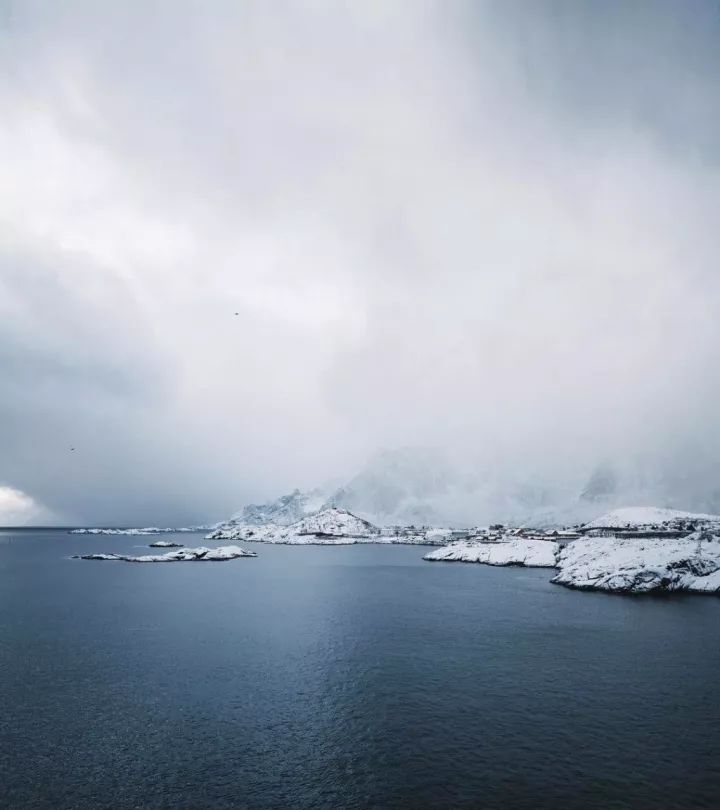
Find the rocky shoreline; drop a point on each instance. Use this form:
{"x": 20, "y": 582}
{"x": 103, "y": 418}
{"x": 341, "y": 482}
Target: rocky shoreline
{"x": 201, "y": 554}
{"x": 636, "y": 550}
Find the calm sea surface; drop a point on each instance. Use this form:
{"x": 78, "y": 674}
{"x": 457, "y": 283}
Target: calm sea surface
{"x": 353, "y": 677}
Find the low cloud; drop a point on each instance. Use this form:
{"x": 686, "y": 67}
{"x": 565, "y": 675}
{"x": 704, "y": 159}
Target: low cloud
{"x": 243, "y": 248}
{"x": 19, "y": 509}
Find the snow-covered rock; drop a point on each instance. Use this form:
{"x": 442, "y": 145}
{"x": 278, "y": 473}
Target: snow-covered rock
{"x": 640, "y": 565}
{"x": 135, "y": 532}
{"x": 410, "y": 538}
{"x": 337, "y": 522}
{"x": 507, "y": 550}
{"x": 165, "y": 544}
{"x": 201, "y": 554}
{"x": 650, "y": 517}
{"x": 327, "y": 526}
{"x": 284, "y": 511}
{"x": 257, "y": 534}
{"x": 331, "y": 526}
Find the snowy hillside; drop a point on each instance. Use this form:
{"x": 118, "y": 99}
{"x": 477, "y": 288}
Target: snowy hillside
{"x": 510, "y": 550}
{"x": 335, "y": 521}
{"x": 328, "y": 523}
{"x": 648, "y": 517}
{"x": 330, "y": 526}
{"x": 283, "y": 511}
{"x": 624, "y": 565}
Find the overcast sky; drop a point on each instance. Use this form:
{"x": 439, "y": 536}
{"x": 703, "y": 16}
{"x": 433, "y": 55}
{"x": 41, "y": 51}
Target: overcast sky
{"x": 243, "y": 245}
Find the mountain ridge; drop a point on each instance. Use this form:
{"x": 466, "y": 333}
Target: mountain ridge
{"x": 422, "y": 486}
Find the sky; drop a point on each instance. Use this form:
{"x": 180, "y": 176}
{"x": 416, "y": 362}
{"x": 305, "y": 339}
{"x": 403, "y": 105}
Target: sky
{"x": 244, "y": 246}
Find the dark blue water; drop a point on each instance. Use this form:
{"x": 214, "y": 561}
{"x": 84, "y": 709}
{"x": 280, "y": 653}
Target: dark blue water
{"x": 344, "y": 677}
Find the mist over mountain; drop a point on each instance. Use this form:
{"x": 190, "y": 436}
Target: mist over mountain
{"x": 425, "y": 486}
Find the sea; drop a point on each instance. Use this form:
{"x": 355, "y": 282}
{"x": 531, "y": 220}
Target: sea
{"x": 344, "y": 677}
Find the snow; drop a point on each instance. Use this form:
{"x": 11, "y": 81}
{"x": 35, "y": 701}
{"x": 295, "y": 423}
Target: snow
{"x": 284, "y": 511}
{"x": 165, "y": 544}
{"x": 406, "y": 538}
{"x": 633, "y": 565}
{"x": 438, "y": 537}
{"x": 618, "y": 564}
{"x": 508, "y": 550}
{"x": 334, "y": 521}
{"x": 133, "y": 532}
{"x": 332, "y": 526}
{"x": 647, "y": 516}
{"x": 425, "y": 486}
{"x": 404, "y": 486}
{"x": 201, "y": 554}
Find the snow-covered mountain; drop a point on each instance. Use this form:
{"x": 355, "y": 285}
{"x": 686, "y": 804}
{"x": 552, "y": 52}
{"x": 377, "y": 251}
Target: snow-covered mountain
{"x": 335, "y": 522}
{"x": 410, "y": 486}
{"x": 650, "y": 517}
{"x": 671, "y": 484}
{"x": 330, "y": 526}
{"x": 283, "y": 511}
{"x": 405, "y": 486}
{"x": 421, "y": 486}
{"x": 329, "y": 522}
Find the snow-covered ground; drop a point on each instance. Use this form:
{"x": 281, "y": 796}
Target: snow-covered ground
{"x": 283, "y": 511}
{"x": 507, "y": 550}
{"x": 643, "y": 517}
{"x": 332, "y": 526}
{"x": 201, "y": 554}
{"x": 335, "y": 522}
{"x": 327, "y": 526}
{"x": 633, "y": 565}
{"x": 619, "y": 562}
{"x": 136, "y": 532}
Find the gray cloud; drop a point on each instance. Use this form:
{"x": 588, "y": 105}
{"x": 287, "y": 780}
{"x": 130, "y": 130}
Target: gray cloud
{"x": 482, "y": 226}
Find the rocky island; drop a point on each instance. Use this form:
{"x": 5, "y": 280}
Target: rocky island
{"x": 642, "y": 565}
{"x": 329, "y": 526}
{"x": 136, "y": 532}
{"x": 629, "y": 550}
{"x": 201, "y": 554}
{"x": 509, "y": 548}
